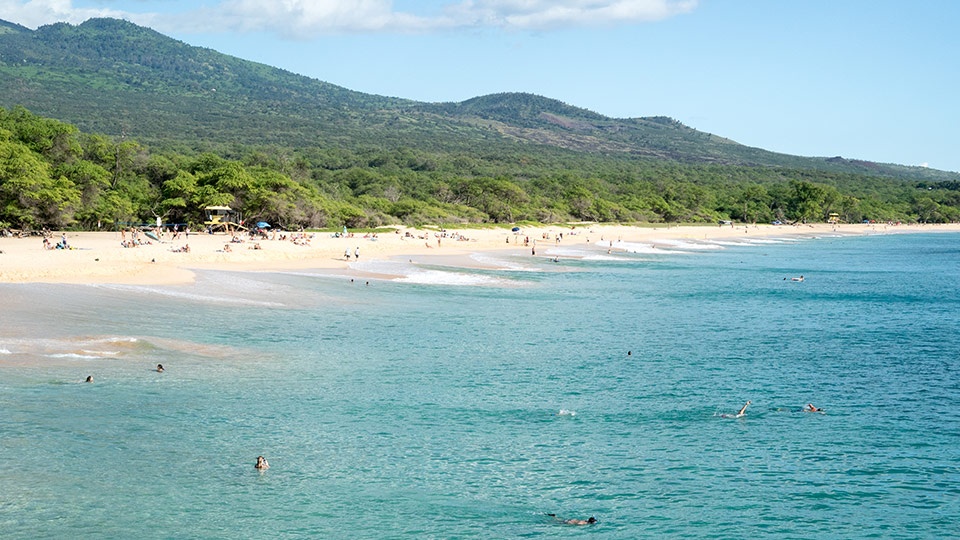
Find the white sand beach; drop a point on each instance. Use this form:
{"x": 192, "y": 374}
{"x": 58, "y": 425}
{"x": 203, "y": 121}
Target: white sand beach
{"x": 99, "y": 257}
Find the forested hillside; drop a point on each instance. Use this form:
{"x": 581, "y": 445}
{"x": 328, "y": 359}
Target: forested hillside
{"x": 113, "y": 77}
{"x": 110, "y": 123}
{"x": 54, "y": 175}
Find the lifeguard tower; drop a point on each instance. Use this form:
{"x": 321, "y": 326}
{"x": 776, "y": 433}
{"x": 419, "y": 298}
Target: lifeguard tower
{"x": 221, "y": 218}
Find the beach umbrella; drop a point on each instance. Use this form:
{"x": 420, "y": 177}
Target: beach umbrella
{"x": 263, "y": 225}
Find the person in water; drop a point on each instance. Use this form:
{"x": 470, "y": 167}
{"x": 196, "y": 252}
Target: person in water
{"x": 744, "y": 408}
{"x": 811, "y": 408}
{"x": 262, "y": 463}
{"x": 159, "y": 368}
{"x": 89, "y": 378}
{"x": 590, "y": 521}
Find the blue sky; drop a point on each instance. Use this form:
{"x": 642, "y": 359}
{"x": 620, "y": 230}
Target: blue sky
{"x": 864, "y": 79}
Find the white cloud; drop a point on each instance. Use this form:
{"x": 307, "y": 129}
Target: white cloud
{"x": 541, "y": 14}
{"x": 34, "y": 13}
{"x": 307, "y": 18}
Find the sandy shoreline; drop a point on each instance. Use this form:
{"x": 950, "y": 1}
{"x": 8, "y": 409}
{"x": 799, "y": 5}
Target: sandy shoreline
{"x": 98, "y": 257}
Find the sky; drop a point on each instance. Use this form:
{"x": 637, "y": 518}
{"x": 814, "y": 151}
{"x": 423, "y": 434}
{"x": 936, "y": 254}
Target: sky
{"x": 876, "y": 80}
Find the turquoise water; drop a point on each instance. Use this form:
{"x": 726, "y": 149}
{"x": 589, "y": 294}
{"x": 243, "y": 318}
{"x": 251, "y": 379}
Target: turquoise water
{"x": 430, "y": 406}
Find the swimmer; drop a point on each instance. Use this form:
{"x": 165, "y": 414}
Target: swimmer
{"x": 262, "y": 463}
{"x": 590, "y": 521}
{"x": 89, "y": 378}
{"x": 744, "y": 408}
{"x": 159, "y": 368}
{"x": 811, "y": 408}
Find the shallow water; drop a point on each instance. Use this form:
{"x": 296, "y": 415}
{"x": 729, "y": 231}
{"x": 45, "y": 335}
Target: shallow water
{"x": 430, "y": 406}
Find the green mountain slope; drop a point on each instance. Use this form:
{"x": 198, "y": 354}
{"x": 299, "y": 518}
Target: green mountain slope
{"x": 114, "y": 77}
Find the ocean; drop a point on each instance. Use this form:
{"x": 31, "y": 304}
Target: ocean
{"x": 474, "y": 401}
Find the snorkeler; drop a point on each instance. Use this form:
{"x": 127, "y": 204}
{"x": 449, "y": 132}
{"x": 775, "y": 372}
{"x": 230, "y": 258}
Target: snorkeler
{"x": 589, "y": 521}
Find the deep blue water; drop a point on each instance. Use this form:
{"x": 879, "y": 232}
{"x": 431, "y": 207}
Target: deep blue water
{"x": 425, "y": 410}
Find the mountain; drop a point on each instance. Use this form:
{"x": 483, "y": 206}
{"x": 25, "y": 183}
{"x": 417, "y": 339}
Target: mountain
{"x": 114, "y": 77}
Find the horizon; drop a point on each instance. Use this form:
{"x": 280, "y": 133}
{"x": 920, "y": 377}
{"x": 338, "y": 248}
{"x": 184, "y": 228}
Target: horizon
{"x": 867, "y": 82}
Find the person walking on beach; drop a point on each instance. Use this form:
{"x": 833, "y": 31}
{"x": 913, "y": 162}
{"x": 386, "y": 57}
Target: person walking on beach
{"x": 356, "y": 253}
{"x": 346, "y": 254}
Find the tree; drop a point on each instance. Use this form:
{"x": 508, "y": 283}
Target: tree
{"x": 29, "y": 196}
{"x": 806, "y": 201}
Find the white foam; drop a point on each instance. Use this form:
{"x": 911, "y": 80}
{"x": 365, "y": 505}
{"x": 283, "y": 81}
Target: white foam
{"x": 684, "y": 244}
{"x": 501, "y": 264}
{"x": 601, "y": 258}
{"x": 182, "y": 295}
{"x": 411, "y": 273}
{"x": 762, "y": 241}
{"x": 121, "y": 340}
{"x": 100, "y": 354}
{"x": 5, "y": 351}
{"x": 74, "y": 356}
{"x": 631, "y": 247}
{"x": 727, "y": 243}
{"x": 439, "y": 277}
{"x": 565, "y": 412}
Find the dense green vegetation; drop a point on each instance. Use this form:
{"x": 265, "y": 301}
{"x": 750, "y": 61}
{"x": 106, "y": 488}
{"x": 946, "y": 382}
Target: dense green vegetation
{"x": 109, "y": 123}
{"x": 54, "y": 175}
{"x": 113, "y": 77}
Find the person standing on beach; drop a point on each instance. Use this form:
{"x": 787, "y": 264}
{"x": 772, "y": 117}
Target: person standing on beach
{"x": 356, "y": 253}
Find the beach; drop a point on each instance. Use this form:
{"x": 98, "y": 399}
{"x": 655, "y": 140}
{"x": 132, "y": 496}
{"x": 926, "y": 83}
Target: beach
{"x": 601, "y": 385}
{"x": 100, "y": 257}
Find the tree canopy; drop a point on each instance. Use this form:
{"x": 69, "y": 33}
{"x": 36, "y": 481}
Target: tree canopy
{"x": 54, "y": 175}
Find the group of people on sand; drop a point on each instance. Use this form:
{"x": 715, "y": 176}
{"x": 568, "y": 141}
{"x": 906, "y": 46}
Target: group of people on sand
{"x": 62, "y": 244}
